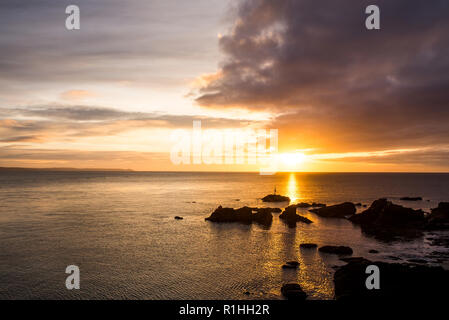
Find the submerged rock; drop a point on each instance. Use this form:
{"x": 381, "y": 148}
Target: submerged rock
{"x": 340, "y": 250}
{"x": 397, "y": 281}
{"x": 291, "y": 217}
{"x": 308, "y": 245}
{"x": 178, "y": 218}
{"x": 336, "y": 211}
{"x": 275, "y": 198}
{"x": 293, "y": 291}
{"x": 387, "y": 220}
{"x": 243, "y": 215}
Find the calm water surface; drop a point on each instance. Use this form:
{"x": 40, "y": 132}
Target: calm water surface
{"x": 119, "y": 228}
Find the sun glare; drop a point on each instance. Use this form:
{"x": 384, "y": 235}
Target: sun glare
{"x": 292, "y": 160}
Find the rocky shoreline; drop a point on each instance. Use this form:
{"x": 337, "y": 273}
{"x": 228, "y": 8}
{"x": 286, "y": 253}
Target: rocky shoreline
{"x": 385, "y": 221}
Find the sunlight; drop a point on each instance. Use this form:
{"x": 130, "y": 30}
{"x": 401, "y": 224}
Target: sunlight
{"x": 292, "y": 161}
{"x": 292, "y": 189}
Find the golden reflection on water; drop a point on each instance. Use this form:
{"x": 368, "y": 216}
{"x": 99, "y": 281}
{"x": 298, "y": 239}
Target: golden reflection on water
{"x": 292, "y": 188}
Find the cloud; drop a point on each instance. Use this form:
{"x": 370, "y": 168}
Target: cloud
{"x": 332, "y": 83}
{"x": 77, "y": 95}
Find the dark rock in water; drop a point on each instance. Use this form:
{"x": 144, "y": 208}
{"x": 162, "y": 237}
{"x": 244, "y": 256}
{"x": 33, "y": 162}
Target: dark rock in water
{"x": 291, "y": 265}
{"x": 439, "y": 217}
{"x": 417, "y": 260}
{"x": 358, "y": 204}
{"x": 308, "y": 245}
{"x": 243, "y": 215}
{"x": 263, "y": 216}
{"x": 387, "y": 220}
{"x": 364, "y": 206}
{"x": 275, "y": 198}
{"x": 340, "y": 250}
{"x": 276, "y": 210}
{"x": 394, "y": 258}
{"x": 293, "y": 291}
{"x": 411, "y": 198}
{"x": 303, "y": 205}
{"x": 246, "y": 293}
{"x": 397, "y": 281}
{"x": 290, "y": 217}
{"x": 373, "y": 251}
{"x": 178, "y": 218}
{"x": 336, "y": 211}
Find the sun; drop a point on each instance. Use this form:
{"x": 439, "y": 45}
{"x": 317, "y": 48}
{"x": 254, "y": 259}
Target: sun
{"x": 292, "y": 160}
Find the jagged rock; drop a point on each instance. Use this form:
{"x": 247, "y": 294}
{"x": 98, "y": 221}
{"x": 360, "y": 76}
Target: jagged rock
{"x": 308, "y": 245}
{"x": 291, "y": 217}
{"x": 340, "y": 250}
{"x": 275, "y": 198}
{"x": 439, "y": 217}
{"x": 303, "y": 205}
{"x": 411, "y": 198}
{"x": 387, "y": 220}
{"x": 263, "y": 216}
{"x": 397, "y": 281}
{"x": 336, "y": 211}
{"x": 293, "y": 291}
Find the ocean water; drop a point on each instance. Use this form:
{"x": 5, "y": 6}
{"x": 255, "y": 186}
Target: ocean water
{"x": 119, "y": 228}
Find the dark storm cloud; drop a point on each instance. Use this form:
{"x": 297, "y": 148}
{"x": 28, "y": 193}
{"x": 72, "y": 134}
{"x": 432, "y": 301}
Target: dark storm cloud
{"x": 316, "y": 60}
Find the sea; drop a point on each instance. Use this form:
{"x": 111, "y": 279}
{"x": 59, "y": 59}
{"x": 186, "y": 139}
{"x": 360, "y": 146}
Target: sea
{"x": 119, "y": 229}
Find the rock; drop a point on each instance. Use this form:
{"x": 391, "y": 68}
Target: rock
{"x": 439, "y": 217}
{"x": 417, "y": 260}
{"x": 397, "y": 281}
{"x": 353, "y": 259}
{"x": 275, "y": 198}
{"x": 178, "y": 218}
{"x": 336, "y": 211}
{"x": 243, "y": 215}
{"x": 276, "y": 210}
{"x": 358, "y": 204}
{"x": 411, "y": 198}
{"x": 263, "y": 216}
{"x": 293, "y": 291}
{"x": 373, "y": 251}
{"x": 394, "y": 258}
{"x": 246, "y": 293}
{"x": 290, "y": 265}
{"x": 340, "y": 250}
{"x": 386, "y": 220}
{"x": 318, "y": 205}
{"x": 290, "y": 217}
{"x": 303, "y": 205}
{"x": 308, "y": 245}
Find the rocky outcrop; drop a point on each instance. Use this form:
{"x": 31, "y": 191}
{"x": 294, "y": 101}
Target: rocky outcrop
{"x": 439, "y": 217}
{"x": 308, "y": 205}
{"x": 293, "y": 291}
{"x": 242, "y": 215}
{"x": 341, "y": 210}
{"x": 339, "y": 250}
{"x": 397, "y": 281}
{"x": 275, "y": 198}
{"x": 290, "y": 217}
{"x": 387, "y": 220}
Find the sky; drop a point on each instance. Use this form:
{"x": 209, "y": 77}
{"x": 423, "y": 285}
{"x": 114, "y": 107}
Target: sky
{"x": 125, "y": 90}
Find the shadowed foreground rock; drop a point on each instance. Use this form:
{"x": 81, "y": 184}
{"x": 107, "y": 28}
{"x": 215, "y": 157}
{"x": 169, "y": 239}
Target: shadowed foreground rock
{"x": 275, "y": 198}
{"x": 293, "y": 291}
{"x": 243, "y": 215}
{"x": 439, "y": 217}
{"x": 386, "y": 220}
{"x": 291, "y": 217}
{"x": 340, "y": 250}
{"x": 411, "y": 198}
{"x": 341, "y": 210}
{"x": 397, "y": 281}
